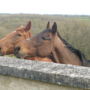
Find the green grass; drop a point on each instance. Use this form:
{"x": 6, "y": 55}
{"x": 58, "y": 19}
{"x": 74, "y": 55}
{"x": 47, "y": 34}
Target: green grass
{"x": 74, "y": 29}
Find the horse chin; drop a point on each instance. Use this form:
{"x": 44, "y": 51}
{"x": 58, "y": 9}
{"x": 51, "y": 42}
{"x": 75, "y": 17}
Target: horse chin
{"x": 28, "y": 57}
{"x": 22, "y": 56}
{"x": 1, "y": 54}
{"x": 19, "y": 56}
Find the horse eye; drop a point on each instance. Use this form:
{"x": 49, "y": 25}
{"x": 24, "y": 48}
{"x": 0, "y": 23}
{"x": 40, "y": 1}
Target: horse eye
{"x": 18, "y": 34}
{"x": 46, "y": 38}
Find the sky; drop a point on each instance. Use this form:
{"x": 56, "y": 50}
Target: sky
{"x": 71, "y": 7}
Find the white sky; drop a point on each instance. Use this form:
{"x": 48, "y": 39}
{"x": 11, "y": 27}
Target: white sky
{"x": 78, "y": 7}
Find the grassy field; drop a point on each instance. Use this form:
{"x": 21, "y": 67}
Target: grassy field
{"x": 74, "y": 29}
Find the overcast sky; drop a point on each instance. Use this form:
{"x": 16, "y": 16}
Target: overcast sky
{"x": 77, "y": 7}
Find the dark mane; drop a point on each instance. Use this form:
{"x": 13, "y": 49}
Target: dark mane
{"x": 74, "y": 50}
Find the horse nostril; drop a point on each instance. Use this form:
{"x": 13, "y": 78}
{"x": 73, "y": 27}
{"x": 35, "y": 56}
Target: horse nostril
{"x": 16, "y": 50}
{"x": 1, "y": 52}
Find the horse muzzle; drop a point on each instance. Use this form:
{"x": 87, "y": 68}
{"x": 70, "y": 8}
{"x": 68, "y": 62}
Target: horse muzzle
{"x": 16, "y": 51}
{"x": 1, "y": 54}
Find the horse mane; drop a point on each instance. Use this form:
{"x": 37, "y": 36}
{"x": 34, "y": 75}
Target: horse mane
{"x": 74, "y": 50}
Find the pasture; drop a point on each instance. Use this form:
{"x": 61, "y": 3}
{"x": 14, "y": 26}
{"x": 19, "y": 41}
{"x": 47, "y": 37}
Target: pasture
{"x": 74, "y": 29}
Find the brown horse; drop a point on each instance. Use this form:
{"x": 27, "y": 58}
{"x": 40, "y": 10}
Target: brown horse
{"x": 50, "y": 43}
{"x": 8, "y": 43}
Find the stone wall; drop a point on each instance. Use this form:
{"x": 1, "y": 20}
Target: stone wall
{"x": 60, "y": 74}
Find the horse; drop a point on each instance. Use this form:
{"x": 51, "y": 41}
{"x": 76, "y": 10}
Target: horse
{"x": 50, "y": 43}
{"x": 7, "y": 44}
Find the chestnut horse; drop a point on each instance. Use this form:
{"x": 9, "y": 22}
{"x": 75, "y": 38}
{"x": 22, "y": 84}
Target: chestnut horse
{"x": 8, "y": 43}
{"x": 47, "y": 43}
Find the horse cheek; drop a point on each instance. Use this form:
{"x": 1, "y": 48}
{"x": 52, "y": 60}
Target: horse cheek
{"x": 44, "y": 51}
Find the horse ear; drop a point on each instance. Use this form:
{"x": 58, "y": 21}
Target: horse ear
{"x": 28, "y": 26}
{"x": 48, "y": 25}
{"x": 54, "y": 28}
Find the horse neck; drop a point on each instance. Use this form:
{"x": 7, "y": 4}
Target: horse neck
{"x": 8, "y": 36}
{"x": 64, "y": 54}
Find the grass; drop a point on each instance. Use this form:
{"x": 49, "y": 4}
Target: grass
{"x": 74, "y": 29}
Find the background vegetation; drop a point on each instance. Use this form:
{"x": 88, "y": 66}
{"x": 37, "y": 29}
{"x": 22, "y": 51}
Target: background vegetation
{"x": 74, "y": 29}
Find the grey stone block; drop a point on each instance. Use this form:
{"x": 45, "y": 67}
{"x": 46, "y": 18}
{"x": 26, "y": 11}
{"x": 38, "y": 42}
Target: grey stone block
{"x": 61, "y": 74}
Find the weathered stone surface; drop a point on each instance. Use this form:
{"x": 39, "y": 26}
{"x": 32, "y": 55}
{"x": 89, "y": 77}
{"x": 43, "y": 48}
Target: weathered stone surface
{"x": 13, "y": 83}
{"x": 61, "y": 74}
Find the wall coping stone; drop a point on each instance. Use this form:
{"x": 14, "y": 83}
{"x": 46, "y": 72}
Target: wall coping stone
{"x": 61, "y": 74}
